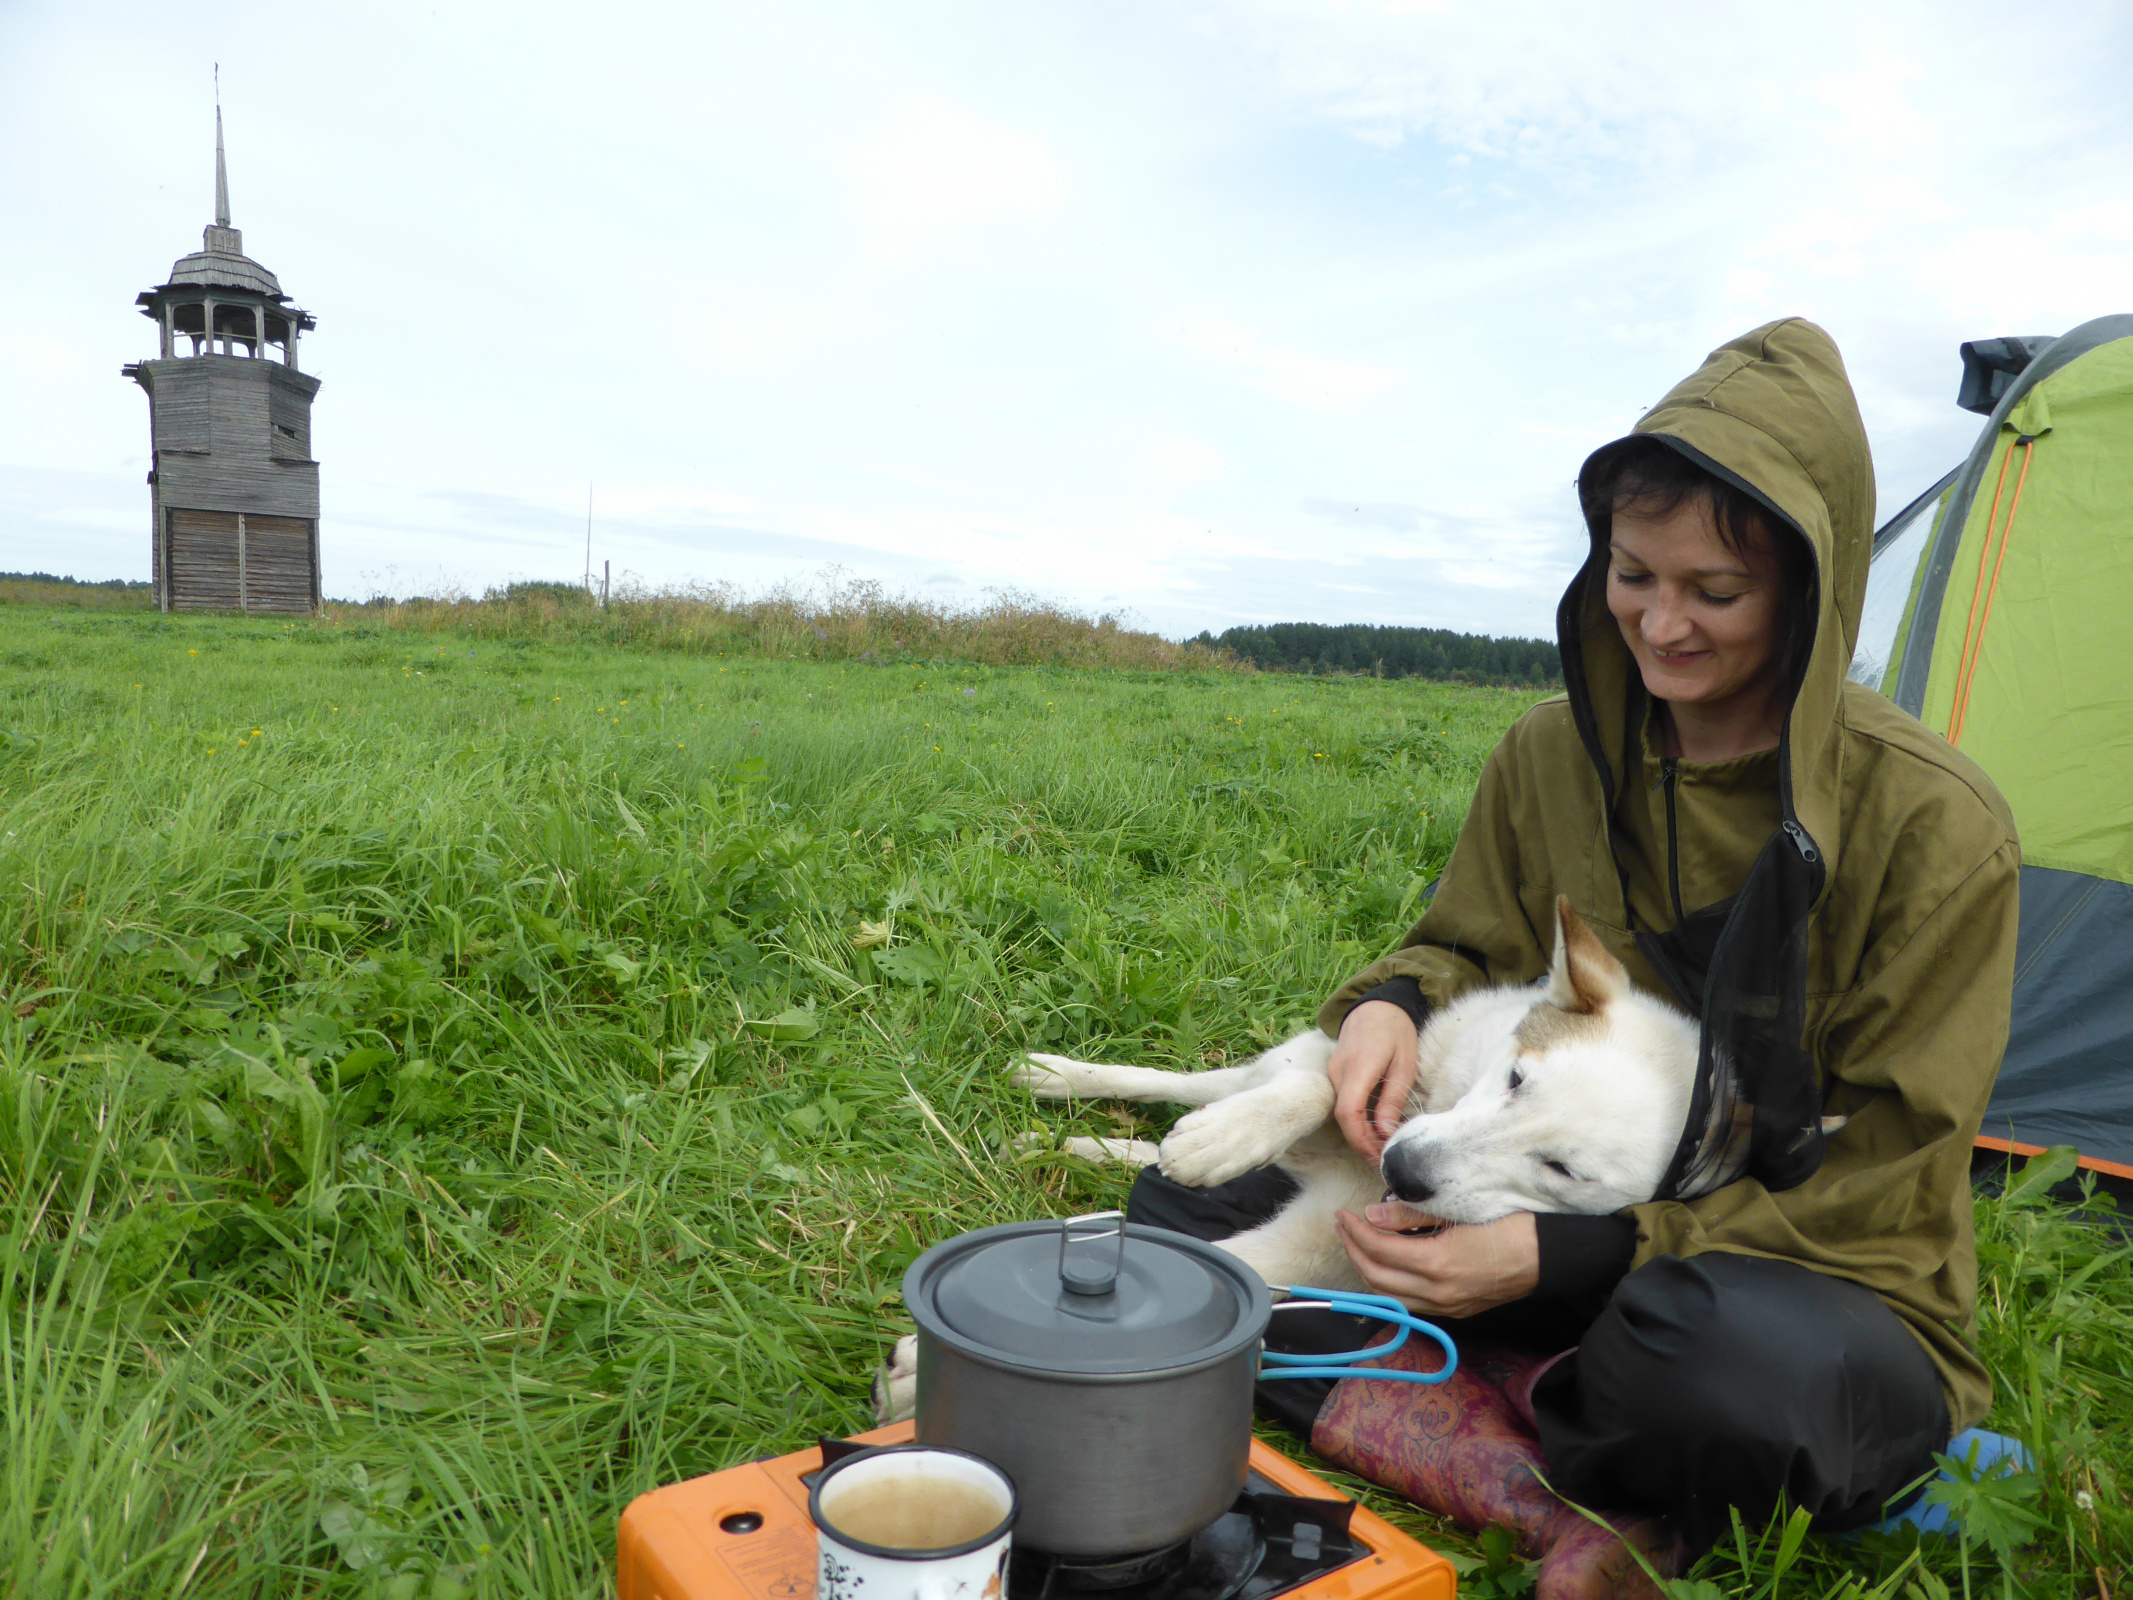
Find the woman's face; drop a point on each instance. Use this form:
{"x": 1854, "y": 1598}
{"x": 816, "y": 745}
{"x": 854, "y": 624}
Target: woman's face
{"x": 1705, "y": 623}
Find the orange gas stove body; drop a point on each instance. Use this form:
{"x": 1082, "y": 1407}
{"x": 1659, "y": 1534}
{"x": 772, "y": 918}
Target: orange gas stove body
{"x": 743, "y": 1534}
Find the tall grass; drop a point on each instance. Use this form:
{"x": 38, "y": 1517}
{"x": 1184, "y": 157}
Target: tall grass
{"x": 840, "y": 619}
{"x": 450, "y": 1084}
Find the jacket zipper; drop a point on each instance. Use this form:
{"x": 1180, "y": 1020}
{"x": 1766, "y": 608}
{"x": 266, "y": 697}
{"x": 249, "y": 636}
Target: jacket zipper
{"x": 1668, "y": 775}
{"x": 1802, "y": 843}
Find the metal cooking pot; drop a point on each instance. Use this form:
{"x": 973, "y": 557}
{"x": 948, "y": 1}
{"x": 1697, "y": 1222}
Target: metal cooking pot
{"x": 1106, "y": 1366}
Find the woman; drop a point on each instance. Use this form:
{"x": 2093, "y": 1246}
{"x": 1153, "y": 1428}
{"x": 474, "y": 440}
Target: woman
{"x": 1831, "y": 888}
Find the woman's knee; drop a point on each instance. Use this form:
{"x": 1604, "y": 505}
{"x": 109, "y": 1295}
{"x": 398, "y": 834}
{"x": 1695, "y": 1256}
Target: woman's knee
{"x": 1732, "y": 1380}
{"x": 1694, "y": 1342}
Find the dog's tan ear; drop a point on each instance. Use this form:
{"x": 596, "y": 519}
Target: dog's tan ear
{"x": 1583, "y": 977}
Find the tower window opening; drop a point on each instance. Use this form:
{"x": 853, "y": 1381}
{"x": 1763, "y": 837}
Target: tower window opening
{"x": 238, "y": 325}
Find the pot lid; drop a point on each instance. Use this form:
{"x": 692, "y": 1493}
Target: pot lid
{"x": 1093, "y": 1295}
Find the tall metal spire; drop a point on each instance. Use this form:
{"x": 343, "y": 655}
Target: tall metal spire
{"x": 222, "y": 171}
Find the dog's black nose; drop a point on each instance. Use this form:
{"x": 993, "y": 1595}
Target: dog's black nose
{"x": 1406, "y": 1171}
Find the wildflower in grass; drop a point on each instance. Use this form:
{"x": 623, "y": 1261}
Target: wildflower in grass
{"x": 192, "y": 652}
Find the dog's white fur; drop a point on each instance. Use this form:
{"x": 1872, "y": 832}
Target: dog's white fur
{"x": 1569, "y": 1094}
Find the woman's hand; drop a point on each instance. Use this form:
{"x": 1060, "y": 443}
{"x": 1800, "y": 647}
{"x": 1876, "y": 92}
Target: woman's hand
{"x": 1459, "y": 1272}
{"x": 1376, "y": 1052}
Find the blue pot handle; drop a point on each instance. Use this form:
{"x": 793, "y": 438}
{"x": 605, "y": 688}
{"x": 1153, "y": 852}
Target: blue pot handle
{"x": 1342, "y": 1363}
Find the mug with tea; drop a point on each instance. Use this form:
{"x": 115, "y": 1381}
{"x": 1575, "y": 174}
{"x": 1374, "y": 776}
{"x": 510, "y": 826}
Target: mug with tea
{"x": 912, "y": 1522}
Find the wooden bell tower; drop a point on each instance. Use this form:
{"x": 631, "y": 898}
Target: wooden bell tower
{"x": 232, "y": 480}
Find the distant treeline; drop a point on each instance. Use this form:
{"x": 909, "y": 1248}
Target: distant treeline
{"x": 1392, "y": 653}
{"x": 75, "y": 583}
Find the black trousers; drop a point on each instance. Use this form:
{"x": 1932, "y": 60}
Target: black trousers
{"x": 1698, "y": 1386}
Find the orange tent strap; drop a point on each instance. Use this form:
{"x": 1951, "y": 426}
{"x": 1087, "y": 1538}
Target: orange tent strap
{"x": 2014, "y": 1147}
{"x": 1984, "y": 553}
{"x": 2029, "y": 454}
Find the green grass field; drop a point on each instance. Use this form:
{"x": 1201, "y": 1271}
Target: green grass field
{"x": 449, "y": 1086}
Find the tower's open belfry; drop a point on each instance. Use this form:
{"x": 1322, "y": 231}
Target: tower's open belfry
{"x": 232, "y": 480}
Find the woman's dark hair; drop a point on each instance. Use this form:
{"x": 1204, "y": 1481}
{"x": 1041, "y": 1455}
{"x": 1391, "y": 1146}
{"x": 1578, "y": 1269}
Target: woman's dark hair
{"x": 1646, "y": 476}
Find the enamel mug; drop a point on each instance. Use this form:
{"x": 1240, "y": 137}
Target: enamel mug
{"x": 912, "y": 1522}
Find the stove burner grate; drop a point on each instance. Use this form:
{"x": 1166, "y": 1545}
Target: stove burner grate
{"x": 1267, "y": 1544}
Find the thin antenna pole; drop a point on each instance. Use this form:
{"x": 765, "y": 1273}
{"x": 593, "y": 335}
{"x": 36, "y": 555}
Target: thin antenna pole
{"x": 588, "y": 538}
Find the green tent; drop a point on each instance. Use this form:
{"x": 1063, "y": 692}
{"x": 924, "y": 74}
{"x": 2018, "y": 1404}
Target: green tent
{"x": 1999, "y": 611}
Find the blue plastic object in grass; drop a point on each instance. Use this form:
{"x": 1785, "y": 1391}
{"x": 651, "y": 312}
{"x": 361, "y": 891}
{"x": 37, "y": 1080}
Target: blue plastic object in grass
{"x": 1342, "y": 1363}
{"x": 1987, "y": 1454}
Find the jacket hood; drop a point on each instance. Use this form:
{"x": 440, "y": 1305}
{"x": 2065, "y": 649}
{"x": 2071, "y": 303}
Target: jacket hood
{"x": 1771, "y": 412}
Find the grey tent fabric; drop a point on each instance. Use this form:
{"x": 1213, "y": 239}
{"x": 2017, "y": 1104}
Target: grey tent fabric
{"x": 2068, "y": 1074}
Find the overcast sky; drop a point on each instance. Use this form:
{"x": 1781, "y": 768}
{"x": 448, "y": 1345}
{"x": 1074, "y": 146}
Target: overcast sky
{"x": 1205, "y": 312}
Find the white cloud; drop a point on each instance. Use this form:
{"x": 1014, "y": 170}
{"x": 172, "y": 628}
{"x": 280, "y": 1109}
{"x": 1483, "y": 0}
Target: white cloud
{"x": 1300, "y": 377}
{"x": 936, "y": 168}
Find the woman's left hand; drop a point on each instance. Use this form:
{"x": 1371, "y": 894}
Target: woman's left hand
{"x": 1459, "y": 1272}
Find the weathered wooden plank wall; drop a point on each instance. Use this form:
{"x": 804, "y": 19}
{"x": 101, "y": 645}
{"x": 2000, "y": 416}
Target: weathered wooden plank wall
{"x": 179, "y": 407}
{"x": 278, "y": 571}
{"x": 277, "y": 564}
{"x": 220, "y": 439}
{"x": 203, "y": 560}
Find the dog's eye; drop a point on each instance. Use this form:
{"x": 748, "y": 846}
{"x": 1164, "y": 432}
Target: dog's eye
{"x": 1559, "y": 1169}
{"x": 1517, "y": 1080}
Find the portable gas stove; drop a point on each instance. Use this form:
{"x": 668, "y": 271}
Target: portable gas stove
{"x": 743, "y": 1534}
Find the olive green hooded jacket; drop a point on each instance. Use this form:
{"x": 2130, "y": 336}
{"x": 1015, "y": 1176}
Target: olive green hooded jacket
{"x": 1904, "y": 990}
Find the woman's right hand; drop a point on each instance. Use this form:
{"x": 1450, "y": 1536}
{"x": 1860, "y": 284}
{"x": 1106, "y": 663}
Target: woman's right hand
{"x": 1375, "y": 1052}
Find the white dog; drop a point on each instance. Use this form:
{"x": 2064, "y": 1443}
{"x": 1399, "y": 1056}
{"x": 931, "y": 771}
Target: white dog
{"x": 1565, "y": 1095}
{"x": 1569, "y": 1094}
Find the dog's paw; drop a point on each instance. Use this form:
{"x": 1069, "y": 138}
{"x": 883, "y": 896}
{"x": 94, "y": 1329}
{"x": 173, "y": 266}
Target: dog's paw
{"x": 896, "y": 1383}
{"x": 1054, "y": 1077}
{"x": 1216, "y": 1144}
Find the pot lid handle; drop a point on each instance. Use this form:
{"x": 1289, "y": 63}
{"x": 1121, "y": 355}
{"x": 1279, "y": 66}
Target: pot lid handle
{"x": 1083, "y": 1276}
